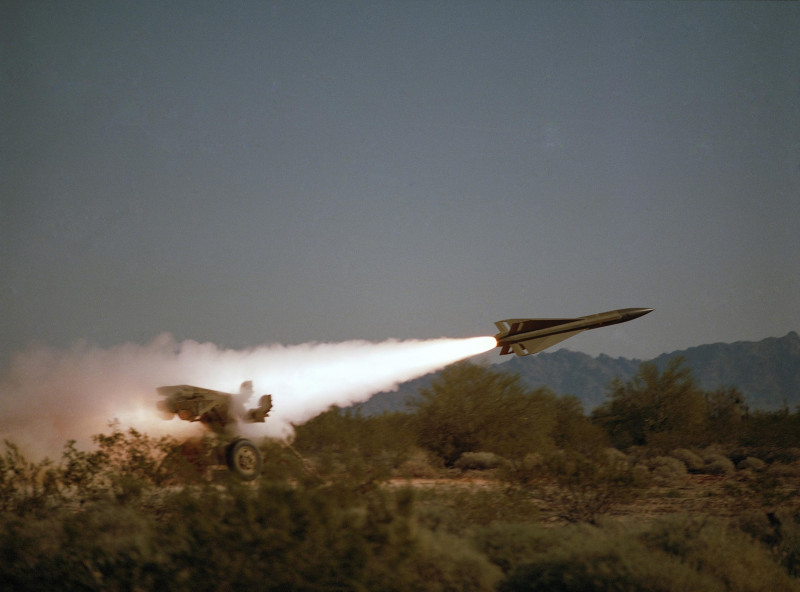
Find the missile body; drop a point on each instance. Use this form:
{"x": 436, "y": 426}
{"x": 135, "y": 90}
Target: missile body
{"x": 530, "y": 336}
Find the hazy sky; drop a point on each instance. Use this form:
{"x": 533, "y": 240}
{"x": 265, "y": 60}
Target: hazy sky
{"x": 248, "y": 173}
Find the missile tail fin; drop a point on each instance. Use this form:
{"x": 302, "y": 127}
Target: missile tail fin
{"x": 534, "y": 346}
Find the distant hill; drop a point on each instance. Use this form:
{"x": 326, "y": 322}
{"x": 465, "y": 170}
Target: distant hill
{"x": 767, "y": 372}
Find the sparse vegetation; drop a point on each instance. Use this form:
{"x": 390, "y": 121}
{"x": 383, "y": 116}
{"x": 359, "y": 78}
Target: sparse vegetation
{"x": 479, "y": 461}
{"x": 693, "y": 462}
{"x": 483, "y": 486}
{"x": 666, "y": 470}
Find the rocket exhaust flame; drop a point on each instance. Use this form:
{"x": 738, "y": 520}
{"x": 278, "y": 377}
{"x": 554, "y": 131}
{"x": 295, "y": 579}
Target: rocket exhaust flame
{"x": 48, "y": 396}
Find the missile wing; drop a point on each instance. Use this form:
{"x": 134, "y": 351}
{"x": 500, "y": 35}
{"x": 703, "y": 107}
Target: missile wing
{"x": 530, "y": 336}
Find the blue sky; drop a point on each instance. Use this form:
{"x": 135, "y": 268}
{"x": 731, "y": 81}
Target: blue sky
{"x": 247, "y": 173}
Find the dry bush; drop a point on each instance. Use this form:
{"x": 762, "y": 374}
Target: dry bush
{"x": 479, "y": 461}
{"x": 692, "y": 461}
{"x": 752, "y": 463}
{"x": 672, "y": 554}
{"x": 26, "y": 486}
{"x": 666, "y": 470}
{"x": 615, "y": 456}
{"x": 461, "y": 509}
{"x": 418, "y": 465}
{"x": 264, "y": 536}
{"x": 717, "y": 464}
{"x": 588, "y": 487}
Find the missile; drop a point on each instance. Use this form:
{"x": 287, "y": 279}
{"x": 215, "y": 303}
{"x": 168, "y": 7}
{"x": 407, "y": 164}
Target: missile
{"x": 530, "y": 336}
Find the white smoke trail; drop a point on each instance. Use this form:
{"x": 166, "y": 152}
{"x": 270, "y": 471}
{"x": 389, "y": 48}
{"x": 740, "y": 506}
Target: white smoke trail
{"x": 48, "y": 396}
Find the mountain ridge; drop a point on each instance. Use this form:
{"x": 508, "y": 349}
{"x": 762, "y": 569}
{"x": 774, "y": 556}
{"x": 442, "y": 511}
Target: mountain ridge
{"x": 767, "y": 372}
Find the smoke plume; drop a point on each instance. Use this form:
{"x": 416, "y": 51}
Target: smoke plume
{"x": 48, "y": 396}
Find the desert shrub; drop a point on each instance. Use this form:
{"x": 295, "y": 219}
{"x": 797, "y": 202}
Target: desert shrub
{"x": 345, "y": 430}
{"x": 658, "y": 409}
{"x": 615, "y": 456}
{"x": 717, "y": 464}
{"x": 282, "y": 462}
{"x": 26, "y": 486}
{"x": 104, "y": 546}
{"x": 692, "y": 461}
{"x": 479, "y": 461}
{"x": 525, "y": 473}
{"x": 274, "y": 536}
{"x": 418, "y": 465}
{"x": 758, "y": 524}
{"x": 587, "y": 487}
{"x": 439, "y": 562}
{"x": 717, "y": 549}
{"x": 192, "y": 461}
{"x": 779, "y": 531}
{"x": 751, "y": 462}
{"x": 573, "y": 430}
{"x": 673, "y": 554}
{"x": 459, "y": 510}
{"x": 776, "y": 429}
{"x": 782, "y": 455}
{"x": 135, "y": 455}
{"x": 786, "y": 541}
{"x": 509, "y": 545}
{"x": 345, "y": 443}
{"x": 469, "y": 408}
{"x": 765, "y": 489}
{"x": 783, "y": 471}
{"x": 666, "y": 469}
{"x": 726, "y": 411}
{"x": 123, "y": 464}
{"x": 587, "y": 559}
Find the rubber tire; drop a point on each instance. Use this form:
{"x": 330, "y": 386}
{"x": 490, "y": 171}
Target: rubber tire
{"x": 243, "y": 459}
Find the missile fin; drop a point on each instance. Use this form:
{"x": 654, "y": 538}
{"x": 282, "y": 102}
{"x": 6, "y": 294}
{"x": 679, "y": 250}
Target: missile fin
{"x": 534, "y": 346}
{"x": 519, "y": 350}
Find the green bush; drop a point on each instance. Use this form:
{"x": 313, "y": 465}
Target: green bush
{"x": 658, "y": 409}
{"x": 469, "y": 408}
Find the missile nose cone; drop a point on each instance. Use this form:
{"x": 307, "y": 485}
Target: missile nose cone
{"x": 635, "y": 313}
